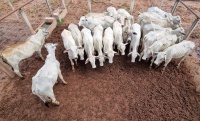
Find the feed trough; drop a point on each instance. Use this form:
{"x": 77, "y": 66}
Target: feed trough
{"x": 60, "y": 13}
{"x": 49, "y": 24}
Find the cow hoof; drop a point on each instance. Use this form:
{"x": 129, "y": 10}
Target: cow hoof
{"x": 150, "y": 67}
{"x": 65, "y": 82}
{"x": 57, "y": 103}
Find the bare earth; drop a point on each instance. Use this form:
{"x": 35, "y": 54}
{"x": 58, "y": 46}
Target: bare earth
{"x": 118, "y": 91}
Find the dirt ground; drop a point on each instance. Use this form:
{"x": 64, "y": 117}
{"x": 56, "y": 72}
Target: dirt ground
{"x": 118, "y": 91}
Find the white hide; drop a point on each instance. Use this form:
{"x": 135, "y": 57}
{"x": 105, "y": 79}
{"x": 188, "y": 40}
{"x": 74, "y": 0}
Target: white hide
{"x": 91, "y": 23}
{"x": 108, "y": 40}
{"x": 76, "y": 34}
{"x": 98, "y": 43}
{"x": 15, "y": 53}
{"x": 136, "y": 35}
{"x": 46, "y": 77}
{"x": 180, "y": 50}
{"x": 147, "y": 18}
{"x": 88, "y": 46}
{"x": 161, "y": 44}
{"x": 118, "y": 40}
{"x": 70, "y": 46}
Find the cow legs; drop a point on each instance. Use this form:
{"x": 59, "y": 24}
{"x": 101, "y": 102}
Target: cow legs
{"x": 152, "y": 60}
{"x": 165, "y": 65}
{"x": 181, "y": 61}
{"x": 40, "y": 54}
{"x": 72, "y": 63}
{"x": 61, "y": 77}
{"x": 141, "y": 54}
{"x": 52, "y": 96}
{"x": 16, "y": 70}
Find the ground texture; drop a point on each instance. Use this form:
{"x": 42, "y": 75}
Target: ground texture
{"x": 118, "y": 91}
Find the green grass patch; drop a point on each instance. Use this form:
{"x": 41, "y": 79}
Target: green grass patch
{"x": 60, "y": 22}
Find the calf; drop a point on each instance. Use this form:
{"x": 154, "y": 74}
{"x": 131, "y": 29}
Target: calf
{"x": 118, "y": 40}
{"x": 89, "y": 48}
{"x": 136, "y": 35}
{"x": 46, "y": 77}
{"x": 78, "y": 39}
{"x": 180, "y": 50}
{"x": 98, "y": 43}
{"x": 70, "y": 46}
{"x": 17, "y": 52}
{"x": 108, "y": 40}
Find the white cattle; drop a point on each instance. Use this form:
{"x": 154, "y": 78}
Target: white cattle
{"x": 46, "y": 77}
{"x": 118, "y": 40}
{"x": 98, "y": 43}
{"x": 17, "y": 52}
{"x": 112, "y": 11}
{"x": 136, "y": 35}
{"x": 78, "y": 39}
{"x": 126, "y": 15}
{"x": 108, "y": 40}
{"x": 70, "y": 46}
{"x": 147, "y": 18}
{"x": 153, "y": 36}
{"x": 91, "y": 22}
{"x": 180, "y": 50}
{"x": 160, "y": 45}
{"x": 127, "y": 31}
{"x": 163, "y": 14}
{"x": 88, "y": 45}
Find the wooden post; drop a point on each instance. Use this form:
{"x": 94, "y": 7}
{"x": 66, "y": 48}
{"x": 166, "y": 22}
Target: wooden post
{"x": 26, "y": 20}
{"x": 63, "y": 2}
{"x": 89, "y": 5}
{"x": 131, "y": 6}
{"x": 49, "y": 7}
{"x": 5, "y": 68}
{"x": 10, "y": 4}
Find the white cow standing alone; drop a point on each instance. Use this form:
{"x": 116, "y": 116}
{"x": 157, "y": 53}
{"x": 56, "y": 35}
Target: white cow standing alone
{"x": 136, "y": 35}
{"x": 108, "y": 40}
{"x": 78, "y": 39}
{"x": 118, "y": 40}
{"x": 98, "y": 43}
{"x": 46, "y": 77}
{"x": 89, "y": 47}
{"x": 180, "y": 50}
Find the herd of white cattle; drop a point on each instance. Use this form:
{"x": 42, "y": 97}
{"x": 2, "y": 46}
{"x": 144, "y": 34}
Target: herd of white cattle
{"x": 157, "y": 32}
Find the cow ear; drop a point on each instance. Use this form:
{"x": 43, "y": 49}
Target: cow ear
{"x": 129, "y": 53}
{"x": 126, "y": 44}
{"x": 66, "y": 50}
{"x": 87, "y": 60}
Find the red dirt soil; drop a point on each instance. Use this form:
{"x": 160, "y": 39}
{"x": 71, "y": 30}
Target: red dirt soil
{"x": 118, "y": 91}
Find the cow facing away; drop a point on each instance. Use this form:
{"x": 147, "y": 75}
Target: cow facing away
{"x": 46, "y": 77}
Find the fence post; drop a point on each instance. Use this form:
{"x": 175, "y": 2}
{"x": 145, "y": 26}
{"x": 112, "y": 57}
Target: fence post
{"x": 131, "y": 6}
{"x": 89, "y": 5}
{"x": 10, "y": 4}
{"x": 194, "y": 24}
{"x": 49, "y": 7}
{"x": 5, "y": 68}
{"x": 175, "y": 6}
{"x": 26, "y": 20}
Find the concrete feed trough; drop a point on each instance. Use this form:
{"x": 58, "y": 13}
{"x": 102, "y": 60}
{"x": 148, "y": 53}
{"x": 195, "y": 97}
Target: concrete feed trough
{"x": 49, "y": 24}
{"x": 60, "y": 13}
